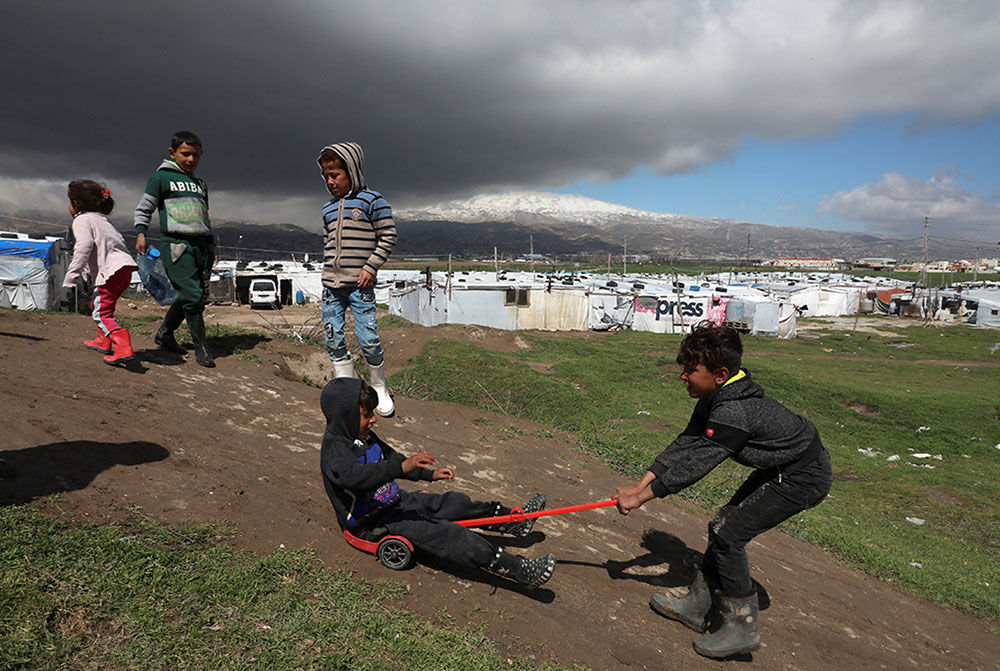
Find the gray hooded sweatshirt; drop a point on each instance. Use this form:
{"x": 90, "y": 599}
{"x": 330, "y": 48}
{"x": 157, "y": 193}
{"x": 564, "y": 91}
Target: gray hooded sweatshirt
{"x": 358, "y": 230}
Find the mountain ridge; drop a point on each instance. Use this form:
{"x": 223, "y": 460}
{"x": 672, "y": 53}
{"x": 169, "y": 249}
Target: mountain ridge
{"x": 560, "y": 225}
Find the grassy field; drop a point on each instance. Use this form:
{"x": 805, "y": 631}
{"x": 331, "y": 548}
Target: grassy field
{"x": 877, "y": 401}
{"x": 145, "y": 595}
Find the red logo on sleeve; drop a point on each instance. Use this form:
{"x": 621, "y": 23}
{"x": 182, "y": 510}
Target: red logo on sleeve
{"x": 709, "y": 432}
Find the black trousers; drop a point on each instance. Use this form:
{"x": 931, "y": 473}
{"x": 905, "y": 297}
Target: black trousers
{"x": 425, "y": 519}
{"x": 766, "y": 499}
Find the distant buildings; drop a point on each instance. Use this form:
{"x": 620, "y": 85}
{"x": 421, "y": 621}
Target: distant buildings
{"x": 876, "y": 263}
{"x": 805, "y": 263}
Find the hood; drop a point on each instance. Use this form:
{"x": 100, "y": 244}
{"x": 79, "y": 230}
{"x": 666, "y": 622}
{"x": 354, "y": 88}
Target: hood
{"x": 354, "y": 158}
{"x": 742, "y": 388}
{"x": 340, "y": 402}
{"x": 169, "y": 164}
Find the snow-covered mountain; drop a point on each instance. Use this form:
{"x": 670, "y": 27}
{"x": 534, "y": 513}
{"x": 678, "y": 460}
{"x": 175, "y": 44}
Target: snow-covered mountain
{"x": 535, "y": 207}
{"x": 572, "y": 224}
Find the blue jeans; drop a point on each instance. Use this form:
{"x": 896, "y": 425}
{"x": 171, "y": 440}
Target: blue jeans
{"x": 362, "y": 304}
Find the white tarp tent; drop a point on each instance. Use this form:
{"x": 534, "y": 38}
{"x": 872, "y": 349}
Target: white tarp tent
{"x": 765, "y": 319}
{"x": 31, "y": 271}
{"x": 611, "y": 310}
{"x": 669, "y": 314}
{"x": 479, "y": 305}
{"x": 988, "y": 313}
{"x": 419, "y": 305}
{"x": 555, "y": 309}
{"x": 987, "y": 310}
{"x": 499, "y": 306}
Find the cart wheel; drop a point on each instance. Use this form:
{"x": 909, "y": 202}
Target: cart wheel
{"x": 393, "y": 554}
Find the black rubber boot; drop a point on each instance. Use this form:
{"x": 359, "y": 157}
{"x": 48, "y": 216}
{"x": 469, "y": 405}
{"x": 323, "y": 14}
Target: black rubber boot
{"x": 688, "y": 605}
{"x": 521, "y": 529}
{"x": 738, "y": 633}
{"x": 164, "y": 337}
{"x": 196, "y": 324}
{"x": 529, "y": 572}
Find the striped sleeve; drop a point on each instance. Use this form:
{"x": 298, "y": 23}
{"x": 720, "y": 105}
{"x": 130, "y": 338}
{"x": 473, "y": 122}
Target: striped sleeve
{"x": 385, "y": 234}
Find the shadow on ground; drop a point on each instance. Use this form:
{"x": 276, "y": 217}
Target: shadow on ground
{"x": 43, "y": 470}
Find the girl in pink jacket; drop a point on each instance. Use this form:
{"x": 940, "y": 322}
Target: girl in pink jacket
{"x": 100, "y": 249}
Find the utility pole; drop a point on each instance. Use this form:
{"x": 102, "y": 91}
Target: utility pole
{"x": 531, "y": 252}
{"x": 624, "y": 255}
{"x": 496, "y": 264}
{"x": 975, "y": 268}
{"x": 923, "y": 265}
{"x": 448, "y": 279}
{"x": 748, "y": 250}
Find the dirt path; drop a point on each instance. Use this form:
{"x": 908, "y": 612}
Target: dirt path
{"x": 240, "y": 442}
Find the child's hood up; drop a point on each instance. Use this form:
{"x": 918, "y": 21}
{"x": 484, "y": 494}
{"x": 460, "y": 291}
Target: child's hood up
{"x": 171, "y": 165}
{"x": 354, "y": 159}
{"x": 340, "y": 402}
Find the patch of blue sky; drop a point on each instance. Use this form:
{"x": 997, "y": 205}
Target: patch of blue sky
{"x": 782, "y": 182}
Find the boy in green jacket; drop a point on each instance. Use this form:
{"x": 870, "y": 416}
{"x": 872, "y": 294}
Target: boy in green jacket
{"x": 186, "y": 237}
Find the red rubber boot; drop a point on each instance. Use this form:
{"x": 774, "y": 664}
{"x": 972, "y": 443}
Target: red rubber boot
{"x": 101, "y": 343}
{"x": 123, "y": 348}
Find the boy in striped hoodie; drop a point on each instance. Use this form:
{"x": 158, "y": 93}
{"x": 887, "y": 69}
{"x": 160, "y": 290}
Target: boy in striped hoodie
{"x": 359, "y": 235}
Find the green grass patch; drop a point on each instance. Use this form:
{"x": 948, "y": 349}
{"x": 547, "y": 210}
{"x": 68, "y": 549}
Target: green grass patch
{"x": 896, "y": 339}
{"x": 392, "y": 321}
{"x": 145, "y": 595}
{"x": 876, "y": 407}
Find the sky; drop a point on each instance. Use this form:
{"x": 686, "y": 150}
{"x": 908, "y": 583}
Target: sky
{"x": 861, "y": 116}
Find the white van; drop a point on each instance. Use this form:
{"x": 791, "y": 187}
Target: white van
{"x": 264, "y": 293}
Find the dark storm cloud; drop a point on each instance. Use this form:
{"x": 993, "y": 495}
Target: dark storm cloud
{"x": 451, "y": 98}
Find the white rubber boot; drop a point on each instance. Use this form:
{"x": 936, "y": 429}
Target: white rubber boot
{"x": 343, "y": 368}
{"x": 385, "y": 406}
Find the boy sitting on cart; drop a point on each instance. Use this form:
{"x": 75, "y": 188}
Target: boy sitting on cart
{"x": 359, "y": 474}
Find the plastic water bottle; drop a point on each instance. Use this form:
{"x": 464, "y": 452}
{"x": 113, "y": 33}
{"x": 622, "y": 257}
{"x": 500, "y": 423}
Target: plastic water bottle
{"x": 151, "y": 274}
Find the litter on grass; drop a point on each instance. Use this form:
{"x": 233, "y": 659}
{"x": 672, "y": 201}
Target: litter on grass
{"x": 923, "y": 428}
{"x": 915, "y": 520}
{"x": 925, "y": 455}
{"x": 867, "y": 452}
{"x": 894, "y": 457}
{"x": 916, "y": 564}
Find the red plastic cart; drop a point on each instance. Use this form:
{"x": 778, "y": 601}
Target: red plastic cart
{"x": 396, "y": 552}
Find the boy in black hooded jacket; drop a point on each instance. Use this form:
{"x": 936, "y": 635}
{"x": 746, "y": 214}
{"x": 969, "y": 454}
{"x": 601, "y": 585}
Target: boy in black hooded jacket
{"x": 359, "y": 474}
{"x": 733, "y": 419}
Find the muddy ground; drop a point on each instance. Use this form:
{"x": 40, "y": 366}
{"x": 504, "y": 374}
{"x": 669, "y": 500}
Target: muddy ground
{"x": 241, "y": 443}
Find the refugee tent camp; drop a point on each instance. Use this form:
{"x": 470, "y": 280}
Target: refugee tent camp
{"x": 296, "y": 281}
{"x": 655, "y": 304}
{"x": 31, "y": 271}
{"x": 988, "y": 312}
{"x": 509, "y": 303}
{"x": 987, "y": 298}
